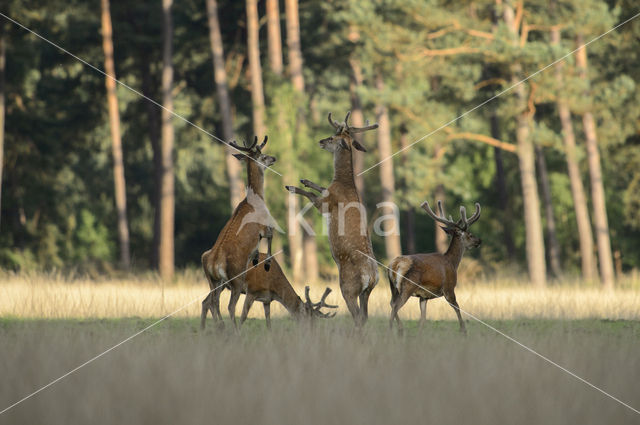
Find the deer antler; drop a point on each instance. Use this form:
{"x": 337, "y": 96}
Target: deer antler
{"x": 235, "y": 145}
{"x": 449, "y": 223}
{"x": 474, "y": 217}
{"x": 264, "y": 142}
{"x": 335, "y": 124}
{"x": 315, "y": 307}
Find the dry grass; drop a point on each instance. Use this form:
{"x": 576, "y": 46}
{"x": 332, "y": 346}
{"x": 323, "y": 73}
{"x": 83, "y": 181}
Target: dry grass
{"x": 56, "y": 297}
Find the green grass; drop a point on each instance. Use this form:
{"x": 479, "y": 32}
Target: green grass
{"x": 175, "y": 373}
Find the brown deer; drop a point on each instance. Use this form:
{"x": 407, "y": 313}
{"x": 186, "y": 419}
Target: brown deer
{"x": 428, "y": 276}
{"x": 273, "y": 285}
{"x": 348, "y": 232}
{"x": 224, "y": 264}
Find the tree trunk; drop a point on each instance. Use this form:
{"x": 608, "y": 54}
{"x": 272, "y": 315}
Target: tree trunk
{"x": 526, "y": 160}
{"x": 234, "y": 169}
{"x": 2, "y": 105}
{"x": 167, "y": 200}
{"x": 293, "y": 44}
{"x": 255, "y": 68}
{"x": 116, "y": 141}
{"x": 410, "y": 214}
{"x": 153, "y": 120}
{"x": 387, "y": 181}
{"x": 357, "y": 118}
{"x": 274, "y": 37}
{"x": 503, "y": 196}
{"x": 601, "y": 222}
{"x": 441, "y": 238}
{"x": 552, "y": 239}
{"x": 310, "y": 256}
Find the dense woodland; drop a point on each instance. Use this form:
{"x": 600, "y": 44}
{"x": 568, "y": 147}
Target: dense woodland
{"x": 96, "y": 176}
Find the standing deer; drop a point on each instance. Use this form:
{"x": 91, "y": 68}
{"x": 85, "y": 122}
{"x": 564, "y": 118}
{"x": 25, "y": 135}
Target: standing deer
{"x": 273, "y": 285}
{"x": 224, "y": 264}
{"x": 348, "y": 232}
{"x": 428, "y": 276}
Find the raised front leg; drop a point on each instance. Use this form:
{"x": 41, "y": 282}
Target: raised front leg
{"x": 269, "y": 235}
{"x": 312, "y": 185}
{"x": 315, "y": 199}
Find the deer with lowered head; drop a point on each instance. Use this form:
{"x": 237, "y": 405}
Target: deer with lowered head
{"x": 428, "y": 276}
{"x": 267, "y": 286}
{"x": 226, "y": 262}
{"x": 348, "y": 232}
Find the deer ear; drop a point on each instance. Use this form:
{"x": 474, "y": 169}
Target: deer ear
{"x": 239, "y": 156}
{"x": 358, "y": 146}
{"x": 344, "y": 145}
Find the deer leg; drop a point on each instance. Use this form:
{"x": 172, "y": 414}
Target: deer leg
{"x": 267, "y": 314}
{"x": 423, "y": 311}
{"x": 248, "y": 302}
{"x": 255, "y": 254}
{"x": 352, "y": 305}
{"x": 309, "y": 195}
{"x": 451, "y": 299}
{"x": 233, "y": 300}
{"x": 206, "y": 305}
{"x": 399, "y": 302}
{"x": 312, "y": 185}
{"x": 364, "y": 304}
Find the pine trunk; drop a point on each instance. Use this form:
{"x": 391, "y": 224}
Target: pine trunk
{"x": 357, "y": 118}
{"x": 552, "y": 238}
{"x": 255, "y": 68}
{"x": 387, "y": 181}
{"x": 503, "y": 196}
{"x": 2, "y": 105}
{"x": 526, "y": 160}
{"x": 600, "y": 219}
{"x": 116, "y": 140}
{"x": 234, "y": 169}
{"x": 410, "y": 214}
{"x": 293, "y": 43}
{"x": 575, "y": 179}
{"x": 167, "y": 200}
{"x": 274, "y": 37}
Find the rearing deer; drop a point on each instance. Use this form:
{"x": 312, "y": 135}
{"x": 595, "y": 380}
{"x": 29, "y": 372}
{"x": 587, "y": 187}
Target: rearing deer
{"x": 348, "y": 232}
{"x": 428, "y": 276}
{"x": 240, "y": 237}
{"x": 273, "y": 285}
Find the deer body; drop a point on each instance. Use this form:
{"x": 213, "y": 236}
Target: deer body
{"x": 428, "y": 276}
{"x": 348, "y": 233}
{"x": 273, "y": 285}
{"x": 225, "y": 263}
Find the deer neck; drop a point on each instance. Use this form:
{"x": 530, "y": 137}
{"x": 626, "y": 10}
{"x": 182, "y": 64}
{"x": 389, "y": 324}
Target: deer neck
{"x": 455, "y": 251}
{"x": 343, "y": 167}
{"x": 255, "y": 178}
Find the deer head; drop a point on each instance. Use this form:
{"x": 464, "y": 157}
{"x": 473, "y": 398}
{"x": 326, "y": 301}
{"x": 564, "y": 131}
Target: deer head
{"x": 343, "y": 138}
{"x": 311, "y": 309}
{"x": 458, "y": 228}
{"x": 253, "y": 152}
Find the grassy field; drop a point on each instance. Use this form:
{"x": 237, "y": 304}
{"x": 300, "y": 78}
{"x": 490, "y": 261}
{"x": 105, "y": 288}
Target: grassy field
{"x": 175, "y": 374}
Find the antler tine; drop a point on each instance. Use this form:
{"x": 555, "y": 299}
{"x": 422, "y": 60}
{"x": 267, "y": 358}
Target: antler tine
{"x": 264, "y": 142}
{"x": 332, "y": 122}
{"x": 346, "y": 119}
{"x": 463, "y": 217}
{"x": 322, "y": 302}
{"x": 475, "y": 216}
{"x": 306, "y": 295}
{"x": 425, "y": 206}
{"x": 235, "y": 145}
{"x": 440, "y": 209}
{"x": 255, "y": 142}
{"x": 355, "y": 130}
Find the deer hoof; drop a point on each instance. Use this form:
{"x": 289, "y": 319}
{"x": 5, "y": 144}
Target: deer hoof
{"x": 255, "y": 261}
{"x": 267, "y": 266}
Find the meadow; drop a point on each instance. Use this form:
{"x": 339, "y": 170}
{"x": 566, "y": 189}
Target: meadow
{"x": 328, "y": 373}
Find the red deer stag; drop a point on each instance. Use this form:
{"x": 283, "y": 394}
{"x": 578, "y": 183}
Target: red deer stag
{"x": 348, "y": 232}
{"x": 239, "y": 238}
{"x": 428, "y": 276}
{"x": 273, "y": 285}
